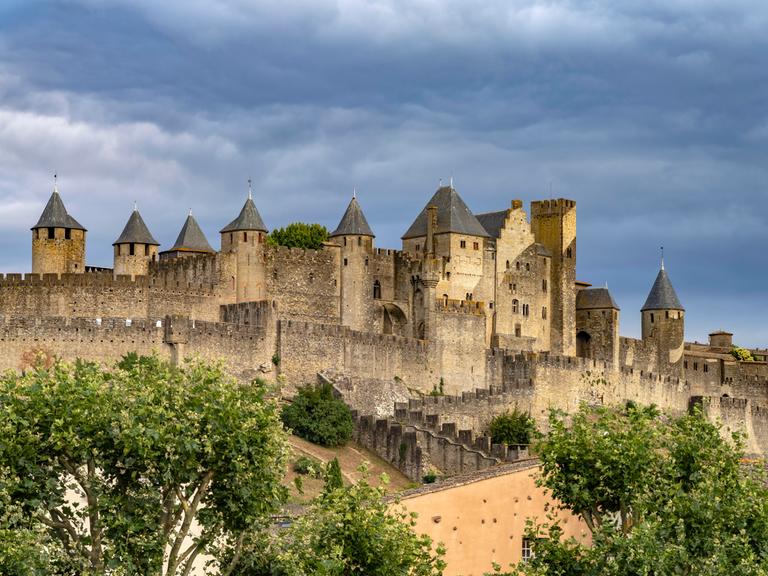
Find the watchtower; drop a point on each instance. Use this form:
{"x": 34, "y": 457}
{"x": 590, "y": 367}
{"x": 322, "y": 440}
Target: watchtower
{"x": 58, "y": 240}
{"x": 135, "y": 248}
{"x": 663, "y": 324}
{"x": 554, "y": 225}
{"x": 245, "y": 238}
{"x": 355, "y": 237}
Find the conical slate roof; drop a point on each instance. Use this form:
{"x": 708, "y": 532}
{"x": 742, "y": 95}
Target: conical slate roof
{"x": 353, "y": 223}
{"x": 191, "y": 238}
{"x": 453, "y": 215}
{"x": 55, "y": 215}
{"x": 249, "y": 219}
{"x": 136, "y": 231}
{"x": 662, "y": 295}
{"x": 595, "y": 298}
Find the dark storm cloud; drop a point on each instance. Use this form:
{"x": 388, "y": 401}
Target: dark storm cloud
{"x": 651, "y": 115}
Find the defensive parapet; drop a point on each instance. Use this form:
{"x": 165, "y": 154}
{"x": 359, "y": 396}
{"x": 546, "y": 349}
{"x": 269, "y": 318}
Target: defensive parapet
{"x": 461, "y": 306}
{"x": 414, "y": 447}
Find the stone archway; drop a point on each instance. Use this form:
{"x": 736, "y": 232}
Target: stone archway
{"x": 583, "y": 345}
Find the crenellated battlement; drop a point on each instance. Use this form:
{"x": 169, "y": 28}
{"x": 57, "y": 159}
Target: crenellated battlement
{"x": 461, "y": 306}
{"x": 551, "y": 207}
{"x": 309, "y": 329}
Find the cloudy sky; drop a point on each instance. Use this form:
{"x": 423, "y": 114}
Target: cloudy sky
{"x": 652, "y": 115}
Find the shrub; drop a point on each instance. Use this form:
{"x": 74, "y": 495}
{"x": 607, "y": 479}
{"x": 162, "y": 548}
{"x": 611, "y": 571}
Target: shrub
{"x": 299, "y": 235}
{"x": 742, "y": 354}
{"x": 430, "y": 477}
{"x": 512, "y": 428}
{"x": 317, "y": 416}
{"x": 307, "y": 465}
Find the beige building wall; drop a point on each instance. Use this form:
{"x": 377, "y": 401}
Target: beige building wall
{"x": 480, "y": 517}
{"x": 60, "y": 254}
{"x": 132, "y": 259}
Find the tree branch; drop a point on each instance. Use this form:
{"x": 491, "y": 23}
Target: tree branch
{"x": 190, "y": 509}
{"x": 236, "y": 558}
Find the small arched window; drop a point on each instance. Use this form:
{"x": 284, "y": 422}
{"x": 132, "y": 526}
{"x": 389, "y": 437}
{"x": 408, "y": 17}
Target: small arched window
{"x": 359, "y": 240}
{"x": 517, "y": 265}
{"x": 527, "y": 265}
{"x": 651, "y": 317}
{"x": 515, "y": 306}
{"x": 507, "y": 264}
{"x": 245, "y": 236}
{"x": 376, "y": 290}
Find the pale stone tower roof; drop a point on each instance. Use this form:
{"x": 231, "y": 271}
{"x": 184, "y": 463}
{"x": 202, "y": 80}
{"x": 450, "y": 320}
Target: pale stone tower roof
{"x": 353, "y": 223}
{"x": 453, "y": 215}
{"x": 191, "y": 238}
{"x": 662, "y": 295}
{"x": 136, "y": 231}
{"x": 55, "y": 215}
{"x": 595, "y": 298}
{"x": 249, "y": 219}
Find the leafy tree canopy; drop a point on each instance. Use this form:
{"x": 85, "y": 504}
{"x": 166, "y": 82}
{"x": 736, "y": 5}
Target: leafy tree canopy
{"x": 146, "y": 449}
{"x": 299, "y": 235}
{"x": 661, "y": 496}
{"x": 513, "y": 428}
{"x": 315, "y": 415}
{"x": 347, "y": 531}
{"x": 742, "y": 354}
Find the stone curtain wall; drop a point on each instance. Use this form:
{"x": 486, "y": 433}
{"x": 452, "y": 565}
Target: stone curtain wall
{"x": 98, "y": 295}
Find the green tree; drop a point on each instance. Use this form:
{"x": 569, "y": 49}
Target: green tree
{"x": 118, "y": 464}
{"x": 512, "y": 428}
{"x": 742, "y": 354}
{"x": 299, "y": 235}
{"x": 315, "y": 415}
{"x": 661, "y": 496}
{"x": 347, "y": 531}
{"x": 333, "y": 479}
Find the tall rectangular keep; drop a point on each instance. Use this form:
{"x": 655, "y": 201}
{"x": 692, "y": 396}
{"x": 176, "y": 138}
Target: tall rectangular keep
{"x": 553, "y": 223}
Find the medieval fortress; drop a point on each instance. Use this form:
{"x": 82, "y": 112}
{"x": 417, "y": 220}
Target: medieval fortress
{"x": 475, "y": 315}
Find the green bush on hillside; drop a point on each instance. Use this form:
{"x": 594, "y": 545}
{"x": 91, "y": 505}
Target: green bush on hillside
{"x": 317, "y": 416}
{"x": 512, "y": 428}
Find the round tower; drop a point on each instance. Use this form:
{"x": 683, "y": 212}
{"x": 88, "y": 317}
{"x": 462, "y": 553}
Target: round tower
{"x": 58, "y": 240}
{"x": 358, "y": 290}
{"x": 243, "y": 240}
{"x": 597, "y": 325}
{"x": 663, "y": 324}
{"x": 135, "y": 248}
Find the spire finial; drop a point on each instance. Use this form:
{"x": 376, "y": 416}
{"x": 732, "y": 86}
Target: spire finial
{"x": 55, "y": 182}
{"x": 135, "y": 206}
{"x": 190, "y": 211}
{"x": 354, "y": 192}
{"x": 440, "y": 183}
{"x": 662, "y": 257}
{"x": 451, "y": 180}
{"x": 250, "y": 189}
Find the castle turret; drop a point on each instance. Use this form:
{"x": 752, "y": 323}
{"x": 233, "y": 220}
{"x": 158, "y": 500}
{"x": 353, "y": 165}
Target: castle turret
{"x": 355, "y": 237}
{"x": 135, "y": 248}
{"x": 245, "y": 238}
{"x": 597, "y": 325}
{"x": 457, "y": 244}
{"x": 554, "y": 225}
{"x": 58, "y": 240}
{"x": 190, "y": 242}
{"x": 663, "y": 324}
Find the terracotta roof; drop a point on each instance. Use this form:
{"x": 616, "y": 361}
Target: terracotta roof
{"x": 248, "y": 219}
{"x": 55, "y": 215}
{"x": 453, "y": 215}
{"x": 662, "y": 295}
{"x": 595, "y": 298}
{"x": 136, "y": 231}
{"x": 353, "y": 223}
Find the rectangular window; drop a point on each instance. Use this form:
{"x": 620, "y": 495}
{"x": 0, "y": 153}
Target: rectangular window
{"x": 67, "y": 234}
{"x": 544, "y": 285}
{"x": 706, "y": 368}
{"x": 544, "y": 312}
{"x": 518, "y": 330}
{"x": 51, "y": 233}
{"x": 476, "y": 245}
{"x": 132, "y": 249}
{"x": 146, "y": 249}
{"x": 527, "y": 550}
{"x": 346, "y": 262}
{"x": 245, "y": 236}
{"x": 463, "y": 244}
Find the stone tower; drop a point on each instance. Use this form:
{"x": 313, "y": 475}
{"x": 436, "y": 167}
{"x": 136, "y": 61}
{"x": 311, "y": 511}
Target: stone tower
{"x": 245, "y": 239}
{"x": 663, "y": 324}
{"x": 554, "y": 225}
{"x": 597, "y": 325}
{"x": 190, "y": 242}
{"x": 355, "y": 237}
{"x": 135, "y": 248}
{"x": 58, "y": 240}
